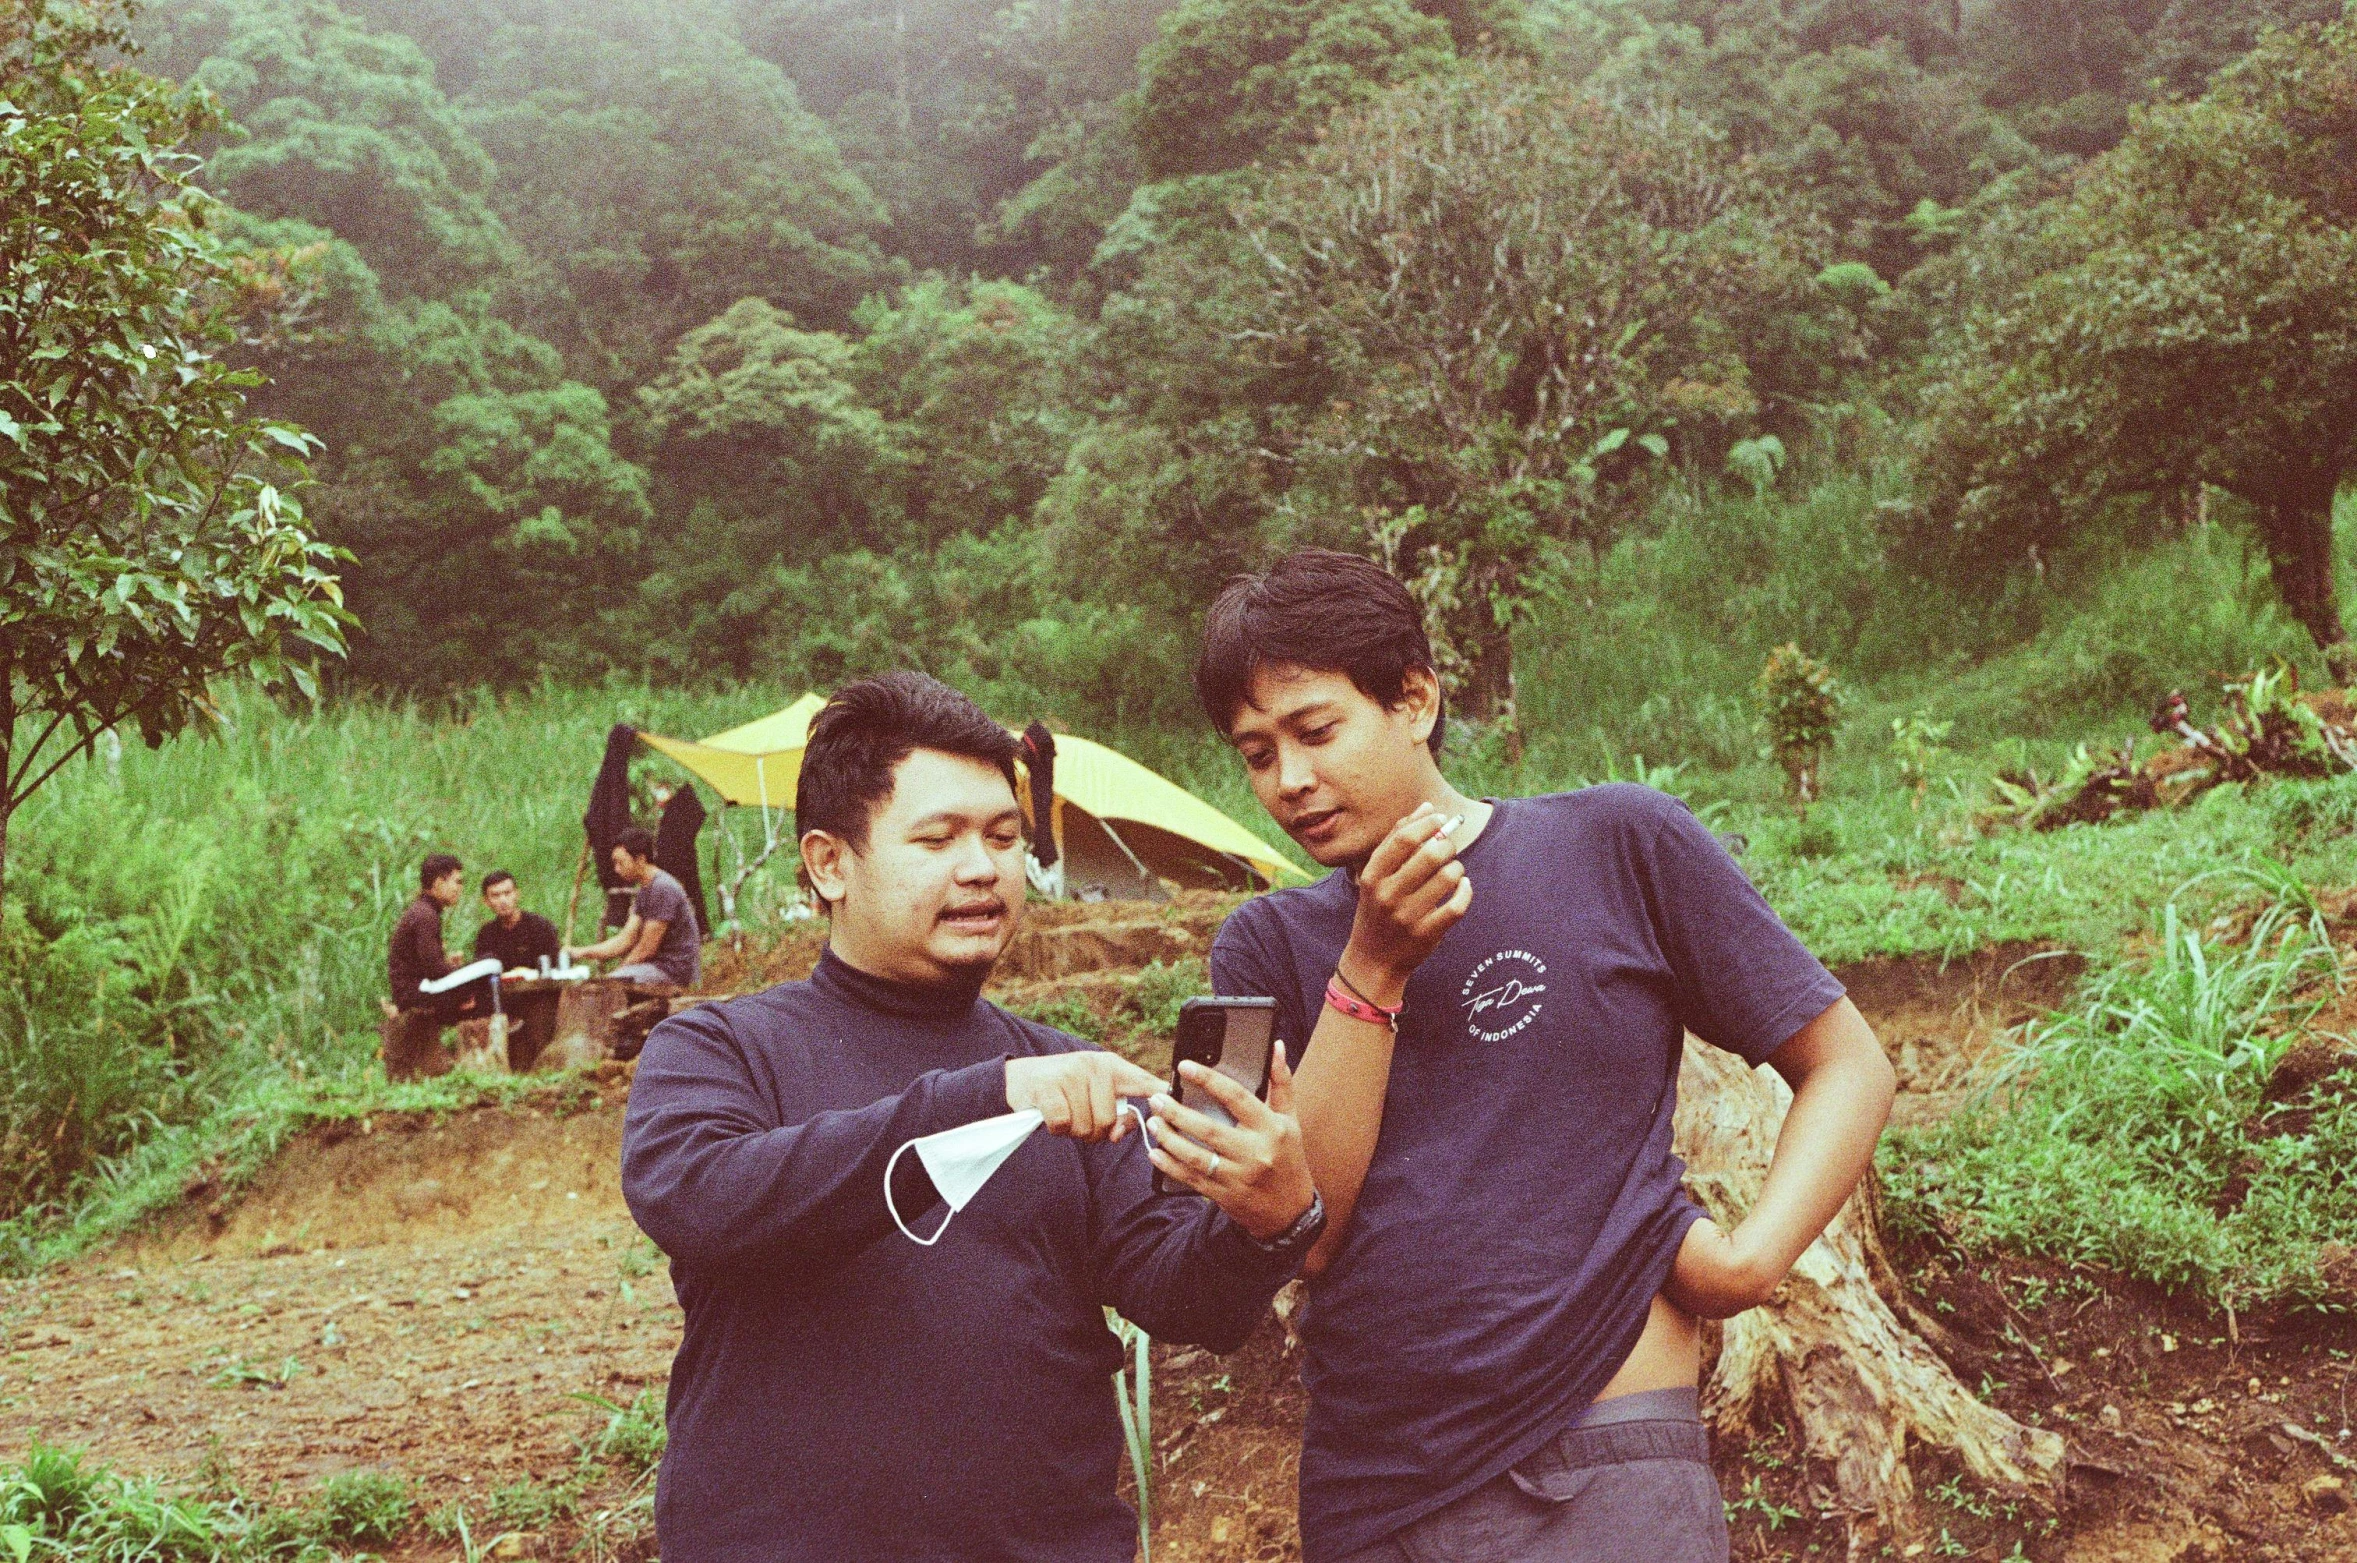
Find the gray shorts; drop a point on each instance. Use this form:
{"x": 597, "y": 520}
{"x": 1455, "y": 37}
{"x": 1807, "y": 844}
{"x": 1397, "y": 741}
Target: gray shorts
{"x": 1629, "y": 1482}
{"x": 644, "y": 971}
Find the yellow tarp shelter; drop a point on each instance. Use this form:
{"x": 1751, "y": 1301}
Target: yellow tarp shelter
{"x": 1155, "y": 829}
{"x": 1121, "y": 828}
{"x": 753, "y": 766}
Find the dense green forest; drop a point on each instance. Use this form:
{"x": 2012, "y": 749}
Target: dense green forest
{"x": 780, "y": 339}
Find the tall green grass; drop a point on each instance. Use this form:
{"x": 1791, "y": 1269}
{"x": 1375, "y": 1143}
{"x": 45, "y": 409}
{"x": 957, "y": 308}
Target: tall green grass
{"x": 2128, "y": 1130}
{"x": 196, "y": 924}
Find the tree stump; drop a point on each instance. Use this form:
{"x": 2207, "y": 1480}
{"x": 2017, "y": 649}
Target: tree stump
{"x": 586, "y": 1016}
{"x": 482, "y": 1045}
{"x": 409, "y": 1042}
{"x": 1858, "y": 1380}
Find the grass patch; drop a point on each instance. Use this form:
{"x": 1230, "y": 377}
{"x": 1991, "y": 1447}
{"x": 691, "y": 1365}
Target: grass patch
{"x": 632, "y": 1435}
{"x": 236, "y": 1139}
{"x": 2128, "y": 1130}
{"x": 1068, "y": 1013}
{"x": 1162, "y": 989}
{"x": 55, "y": 1503}
{"x": 58, "y": 1504}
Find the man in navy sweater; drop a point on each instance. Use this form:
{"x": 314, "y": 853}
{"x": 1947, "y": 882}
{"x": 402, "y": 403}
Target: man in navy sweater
{"x": 841, "y": 1393}
{"x": 1490, "y": 999}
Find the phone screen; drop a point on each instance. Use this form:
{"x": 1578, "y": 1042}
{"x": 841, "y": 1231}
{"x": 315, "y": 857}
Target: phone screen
{"x": 1235, "y": 1038}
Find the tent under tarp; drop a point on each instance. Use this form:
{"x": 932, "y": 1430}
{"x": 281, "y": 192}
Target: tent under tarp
{"x": 1121, "y": 829}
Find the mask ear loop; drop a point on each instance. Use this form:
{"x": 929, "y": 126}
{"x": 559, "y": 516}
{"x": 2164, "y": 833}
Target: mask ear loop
{"x": 921, "y": 1242}
{"x": 1129, "y": 1105}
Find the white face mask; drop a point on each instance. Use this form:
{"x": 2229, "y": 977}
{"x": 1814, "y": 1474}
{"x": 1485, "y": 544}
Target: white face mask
{"x": 961, "y": 1160}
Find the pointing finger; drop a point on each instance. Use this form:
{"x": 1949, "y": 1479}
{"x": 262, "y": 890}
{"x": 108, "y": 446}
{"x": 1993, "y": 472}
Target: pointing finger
{"x": 1128, "y": 1079}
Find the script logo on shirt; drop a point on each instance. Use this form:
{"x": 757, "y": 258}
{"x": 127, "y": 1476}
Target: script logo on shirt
{"x": 1502, "y": 995}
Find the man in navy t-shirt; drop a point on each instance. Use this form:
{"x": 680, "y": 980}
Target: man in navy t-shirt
{"x": 1490, "y": 1001}
{"x": 843, "y": 1394}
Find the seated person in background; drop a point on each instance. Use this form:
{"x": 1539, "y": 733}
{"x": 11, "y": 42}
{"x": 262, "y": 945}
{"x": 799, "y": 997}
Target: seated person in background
{"x": 517, "y": 939}
{"x": 658, "y": 943}
{"x": 416, "y": 954}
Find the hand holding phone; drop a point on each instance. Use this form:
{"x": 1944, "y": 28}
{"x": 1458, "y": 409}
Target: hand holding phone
{"x": 1231, "y": 1037}
{"x": 1251, "y": 1166}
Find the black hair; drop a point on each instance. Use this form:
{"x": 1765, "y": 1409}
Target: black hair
{"x": 437, "y": 867}
{"x": 638, "y": 841}
{"x": 494, "y": 877}
{"x": 1319, "y": 610}
{"x": 863, "y": 733}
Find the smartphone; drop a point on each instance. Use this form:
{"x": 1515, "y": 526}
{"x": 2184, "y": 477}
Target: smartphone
{"x": 1236, "y": 1037}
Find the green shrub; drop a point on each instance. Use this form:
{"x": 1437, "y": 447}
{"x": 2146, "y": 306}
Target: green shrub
{"x": 633, "y": 1434}
{"x": 364, "y": 1505}
{"x": 531, "y": 1505}
{"x": 1069, "y": 1013}
{"x": 1800, "y": 705}
{"x": 1163, "y": 988}
{"x": 2129, "y": 1130}
{"x": 54, "y": 1504}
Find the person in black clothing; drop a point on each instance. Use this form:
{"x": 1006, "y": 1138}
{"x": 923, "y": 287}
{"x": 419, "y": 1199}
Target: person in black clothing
{"x": 520, "y": 940}
{"x": 841, "y": 1392}
{"x": 415, "y": 953}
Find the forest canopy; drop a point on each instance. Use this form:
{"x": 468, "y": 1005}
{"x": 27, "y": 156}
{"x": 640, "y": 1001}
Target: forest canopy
{"x": 778, "y": 339}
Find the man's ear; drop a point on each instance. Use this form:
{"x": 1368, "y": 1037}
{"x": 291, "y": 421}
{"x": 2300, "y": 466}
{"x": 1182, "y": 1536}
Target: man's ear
{"x": 1419, "y": 698}
{"x": 824, "y": 856}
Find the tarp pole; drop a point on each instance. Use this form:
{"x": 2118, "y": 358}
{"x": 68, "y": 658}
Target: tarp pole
{"x": 761, "y": 781}
{"x": 573, "y": 903}
{"x": 1143, "y": 871}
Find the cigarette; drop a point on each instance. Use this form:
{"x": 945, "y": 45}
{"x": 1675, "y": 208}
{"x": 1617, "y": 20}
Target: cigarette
{"x": 1448, "y": 827}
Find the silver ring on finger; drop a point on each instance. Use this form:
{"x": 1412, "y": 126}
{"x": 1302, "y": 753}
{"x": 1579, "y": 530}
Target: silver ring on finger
{"x": 1212, "y": 1171}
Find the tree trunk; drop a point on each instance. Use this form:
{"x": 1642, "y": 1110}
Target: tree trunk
{"x": 1487, "y": 694}
{"x": 2298, "y": 533}
{"x": 1831, "y": 1351}
{"x": 7, "y": 759}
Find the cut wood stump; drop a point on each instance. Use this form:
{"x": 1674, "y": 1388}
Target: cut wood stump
{"x": 409, "y": 1042}
{"x": 1839, "y": 1344}
{"x": 601, "y": 1019}
{"x": 586, "y": 1012}
{"x": 482, "y": 1046}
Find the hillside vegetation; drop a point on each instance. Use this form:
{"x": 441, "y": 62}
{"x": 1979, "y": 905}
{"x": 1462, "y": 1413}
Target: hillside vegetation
{"x": 656, "y": 361}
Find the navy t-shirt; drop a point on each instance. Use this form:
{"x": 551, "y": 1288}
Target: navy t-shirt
{"x": 841, "y": 1393}
{"x": 1523, "y": 1205}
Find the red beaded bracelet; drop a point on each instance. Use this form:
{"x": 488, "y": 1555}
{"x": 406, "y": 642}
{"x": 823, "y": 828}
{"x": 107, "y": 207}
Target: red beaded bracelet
{"x": 1340, "y": 997}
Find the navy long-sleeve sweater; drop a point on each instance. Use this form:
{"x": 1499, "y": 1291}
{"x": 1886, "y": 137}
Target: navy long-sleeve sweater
{"x": 842, "y": 1394}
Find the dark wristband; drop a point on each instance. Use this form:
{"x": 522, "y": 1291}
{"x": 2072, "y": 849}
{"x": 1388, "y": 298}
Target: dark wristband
{"x": 1305, "y": 1230}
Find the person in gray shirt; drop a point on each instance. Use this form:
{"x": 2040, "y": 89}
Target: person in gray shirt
{"x": 658, "y": 941}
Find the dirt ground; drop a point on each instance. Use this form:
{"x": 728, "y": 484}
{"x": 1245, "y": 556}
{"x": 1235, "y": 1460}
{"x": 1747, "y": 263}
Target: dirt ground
{"x": 430, "y": 1297}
